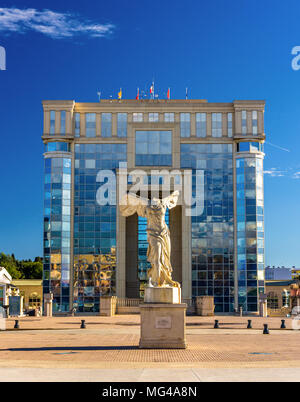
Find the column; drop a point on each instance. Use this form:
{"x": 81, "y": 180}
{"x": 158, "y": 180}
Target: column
{"x": 114, "y": 124}
{"x": 121, "y": 250}
{"x": 82, "y": 124}
{"x": 186, "y": 256}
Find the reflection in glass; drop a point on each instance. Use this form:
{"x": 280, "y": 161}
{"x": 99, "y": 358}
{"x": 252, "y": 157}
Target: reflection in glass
{"x": 52, "y": 122}
{"x": 254, "y": 122}
{"x": 216, "y": 125}
{"x": 106, "y": 124}
{"x": 212, "y": 232}
{"x": 169, "y": 117}
{"x": 77, "y": 124}
{"x": 250, "y": 228}
{"x": 153, "y": 117}
{"x": 201, "y": 125}
{"x": 122, "y": 124}
{"x": 63, "y": 122}
{"x": 185, "y": 124}
{"x": 94, "y": 226}
{"x": 229, "y": 124}
{"x": 153, "y": 148}
{"x": 244, "y": 122}
{"x": 137, "y": 117}
{"x": 90, "y": 125}
{"x": 57, "y": 216}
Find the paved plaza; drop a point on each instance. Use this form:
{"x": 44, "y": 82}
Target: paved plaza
{"x": 56, "y": 349}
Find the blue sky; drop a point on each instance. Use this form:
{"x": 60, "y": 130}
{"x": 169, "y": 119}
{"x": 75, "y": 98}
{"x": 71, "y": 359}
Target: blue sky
{"x": 222, "y": 50}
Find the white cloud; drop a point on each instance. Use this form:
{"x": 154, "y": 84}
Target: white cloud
{"x": 273, "y": 172}
{"x": 50, "y": 23}
{"x": 296, "y": 175}
{"x": 291, "y": 172}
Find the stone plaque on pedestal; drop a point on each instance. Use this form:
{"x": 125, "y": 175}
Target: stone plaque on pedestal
{"x": 163, "y": 326}
{"x": 163, "y": 319}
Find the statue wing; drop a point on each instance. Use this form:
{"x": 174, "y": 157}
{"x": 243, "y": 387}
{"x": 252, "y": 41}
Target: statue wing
{"x": 171, "y": 201}
{"x": 131, "y": 204}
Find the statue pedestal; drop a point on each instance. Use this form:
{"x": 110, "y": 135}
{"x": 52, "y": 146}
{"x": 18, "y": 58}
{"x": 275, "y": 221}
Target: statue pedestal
{"x": 163, "y": 322}
{"x": 162, "y": 295}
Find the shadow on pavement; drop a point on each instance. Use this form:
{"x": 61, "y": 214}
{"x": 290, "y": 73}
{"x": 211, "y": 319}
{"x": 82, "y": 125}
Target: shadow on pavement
{"x": 70, "y": 348}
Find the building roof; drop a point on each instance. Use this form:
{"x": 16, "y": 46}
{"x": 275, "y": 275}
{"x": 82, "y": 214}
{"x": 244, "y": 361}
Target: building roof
{"x": 280, "y": 282}
{"x": 5, "y": 277}
{"x": 28, "y": 282}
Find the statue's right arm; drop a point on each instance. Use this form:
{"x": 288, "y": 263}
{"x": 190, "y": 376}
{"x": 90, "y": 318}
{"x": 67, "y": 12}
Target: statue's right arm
{"x": 131, "y": 204}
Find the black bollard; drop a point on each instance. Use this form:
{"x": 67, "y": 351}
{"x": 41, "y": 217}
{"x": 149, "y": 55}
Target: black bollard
{"x": 249, "y": 324}
{"x": 266, "y": 329}
{"x": 283, "y": 324}
{"x": 216, "y": 324}
{"x": 83, "y": 324}
{"x": 17, "y": 326}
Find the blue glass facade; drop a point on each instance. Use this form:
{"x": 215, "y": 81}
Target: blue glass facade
{"x": 57, "y": 230}
{"x": 94, "y": 226}
{"x": 213, "y": 230}
{"x": 225, "y": 254}
{"x": 250, "y": 230}
{"x": 153, "y": 148}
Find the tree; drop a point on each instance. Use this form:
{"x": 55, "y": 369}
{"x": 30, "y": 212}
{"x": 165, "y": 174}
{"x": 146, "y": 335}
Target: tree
{"x": 22, "y": 269}
{"x": 32, "y": 270}
{"x": 10, "y": 265}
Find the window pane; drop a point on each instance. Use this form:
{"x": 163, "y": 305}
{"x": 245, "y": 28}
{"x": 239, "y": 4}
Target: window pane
{"x": 185, "y": 125}
{"x": 216, "y": 124}
{"x": 52, "y": 122}
{"x": 153, "y": 148}
{"x": 122, "y": 125}
{"x": 244, "y": 122}
{"x": 254, "y": 122}
{"x": 106, "y": 125}
{"x": 201, "y": 125}
{"x": 153, "y": 117}
{"x": 229, "y": 124}
{"x": 77, "y": 124}
{"x": 63, "y": 122}
{"x": 137, "y": 117}
{"x": 169, "y": 117}
{"x": 90, "y": 125}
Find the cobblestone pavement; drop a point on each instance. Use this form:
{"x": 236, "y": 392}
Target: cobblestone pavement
{"x": 113, "y": 342}
{"x": 148, "y": 375}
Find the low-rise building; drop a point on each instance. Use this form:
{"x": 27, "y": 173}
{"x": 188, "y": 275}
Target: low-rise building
{"x": 278, "y": 273}
{"x": 282, "y": 296}
{"x": 5, "y": 280}
{"x": 32, "y": 291}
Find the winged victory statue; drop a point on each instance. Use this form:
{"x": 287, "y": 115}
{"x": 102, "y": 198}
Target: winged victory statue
{"x": 158, "y": 234}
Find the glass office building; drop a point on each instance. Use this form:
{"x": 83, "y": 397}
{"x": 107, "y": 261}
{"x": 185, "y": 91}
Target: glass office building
{"x": 91, "y": 251}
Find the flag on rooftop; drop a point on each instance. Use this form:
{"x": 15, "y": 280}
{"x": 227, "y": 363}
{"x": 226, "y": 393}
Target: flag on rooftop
{"x": 120, "y": 94}
{"x": 152, "y": 89}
